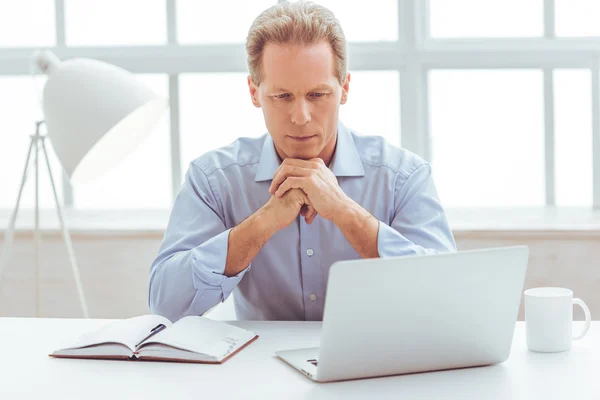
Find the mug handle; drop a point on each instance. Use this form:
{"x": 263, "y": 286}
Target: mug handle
{"x": 588, "y": 318}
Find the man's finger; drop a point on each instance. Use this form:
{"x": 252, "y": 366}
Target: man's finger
{"x": 290, "y": 183}
{"x": 309, "y": 209}
{"x": 310, "y": 219}
{"x": 310, "y": 216}
{"x": 298, "y": 163}
{"x": 286, "y": 172}
{"x": 295, "y": 162}
{"x": 291, "y": 162}
{"x": 318, "y": 160}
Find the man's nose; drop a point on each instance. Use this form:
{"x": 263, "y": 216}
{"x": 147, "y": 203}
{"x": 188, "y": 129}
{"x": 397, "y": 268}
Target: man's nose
{"x": 300, "y": 113}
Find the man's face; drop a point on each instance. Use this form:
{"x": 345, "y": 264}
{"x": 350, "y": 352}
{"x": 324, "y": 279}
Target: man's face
{"x": 300, "y": 98}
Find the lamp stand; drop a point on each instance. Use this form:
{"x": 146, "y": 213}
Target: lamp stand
{"x": 37, "y": 144}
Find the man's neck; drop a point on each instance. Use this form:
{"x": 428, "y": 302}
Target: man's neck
{"x": 329, "y": 151}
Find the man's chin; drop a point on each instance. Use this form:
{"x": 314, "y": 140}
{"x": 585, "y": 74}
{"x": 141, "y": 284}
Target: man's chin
{"x": 302, "y": 155}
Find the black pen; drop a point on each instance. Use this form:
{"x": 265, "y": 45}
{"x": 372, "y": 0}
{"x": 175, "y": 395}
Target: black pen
{"x": 153, "y": 332}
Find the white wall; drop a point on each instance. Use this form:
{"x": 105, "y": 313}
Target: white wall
{"x": 114, "y": 270}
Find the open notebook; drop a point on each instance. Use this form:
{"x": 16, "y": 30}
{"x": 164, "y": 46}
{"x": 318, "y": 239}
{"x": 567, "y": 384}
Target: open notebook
{"x": 152, "y": 337}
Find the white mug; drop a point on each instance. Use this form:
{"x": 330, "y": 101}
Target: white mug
{"x": 549, "y": 319}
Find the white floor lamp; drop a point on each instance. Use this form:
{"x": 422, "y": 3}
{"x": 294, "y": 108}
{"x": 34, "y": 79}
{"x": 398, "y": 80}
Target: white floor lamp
{"x": 95, "y": 114}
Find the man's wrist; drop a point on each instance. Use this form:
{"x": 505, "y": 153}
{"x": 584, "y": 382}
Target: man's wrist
{"x": 348, "y": 211}
{"x": 360, "y": 227}
{"x": 245, "y": 241}
{"x": 266, "y": 221}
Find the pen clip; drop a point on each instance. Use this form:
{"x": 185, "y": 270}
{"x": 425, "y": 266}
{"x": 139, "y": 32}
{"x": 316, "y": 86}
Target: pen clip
{"x": 153, "y": 332}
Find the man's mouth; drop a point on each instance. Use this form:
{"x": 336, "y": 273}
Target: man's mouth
{"x": 302, "y": 138}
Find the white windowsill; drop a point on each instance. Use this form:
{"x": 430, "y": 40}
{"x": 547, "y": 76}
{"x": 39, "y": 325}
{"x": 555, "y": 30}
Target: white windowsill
{"x": 524, "y": 219}
{"x": 153, "y": 222}
{"x": 92, "y": 221}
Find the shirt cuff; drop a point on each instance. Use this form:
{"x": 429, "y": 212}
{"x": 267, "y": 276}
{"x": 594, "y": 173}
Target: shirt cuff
{"x": 391, "y": 243}
{"x": 208, "y": 265}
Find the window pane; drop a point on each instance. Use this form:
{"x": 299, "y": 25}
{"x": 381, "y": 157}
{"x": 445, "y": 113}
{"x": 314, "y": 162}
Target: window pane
{"x": 115, "y": 22}
{"x": 216, "y": 109}
{"x": 577, "y": 17}
{"x": 18, "y": 97}
{"x": 366, "y": 21}
{"x": 143, "y": 178}
{"x": 373, "y": 106}
{"x": 200, "y": 22}
{"x": 217, "y": 21}
{"x": 488, "y": 137}
{"x": 486, "y": 18}
{"x": 27, "y": 23}
{"x": 573, "y": 137}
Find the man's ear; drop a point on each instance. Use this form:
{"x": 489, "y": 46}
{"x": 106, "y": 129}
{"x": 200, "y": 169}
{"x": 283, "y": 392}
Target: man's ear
{"x": 253, "y": 92}
{"x": 345, "y": 89}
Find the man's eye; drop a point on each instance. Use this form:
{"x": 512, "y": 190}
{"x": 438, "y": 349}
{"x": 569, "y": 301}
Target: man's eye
{"x": 318, "y": 94}
{"x": 282, "y": 96}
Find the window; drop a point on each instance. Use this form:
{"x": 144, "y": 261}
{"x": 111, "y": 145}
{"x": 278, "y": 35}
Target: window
{"x": 373, "y": 106}
{"x": 115, "y": 22}
{"x": 214, "y": 21}
{"x": 486, "y": 18}
{"x": 573, "y": 137}
{"x": 577, "y": 18}
{"x": 362, "y": 21}
{"x": 18, "y": 94}
{"x": 216, "y": 109}
{"x": 202, "y": 22}
{"x": 488, "y": 137}
{"x": 20, "y": 27}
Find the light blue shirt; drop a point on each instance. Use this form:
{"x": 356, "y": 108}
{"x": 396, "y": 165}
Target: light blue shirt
{"x": 287, "y": 279}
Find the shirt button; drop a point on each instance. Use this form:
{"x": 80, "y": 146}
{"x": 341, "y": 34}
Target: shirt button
{"x": 312, "y": 297}
{"x": 310, "y": 252}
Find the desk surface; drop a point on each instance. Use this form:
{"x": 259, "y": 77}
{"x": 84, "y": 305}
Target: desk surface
{"x": 27, "y": 372}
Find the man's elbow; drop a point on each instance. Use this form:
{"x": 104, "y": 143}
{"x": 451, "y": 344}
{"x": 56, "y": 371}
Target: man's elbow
{"x": 176, "y": 306}
{"x": 160, "y": 300}
{"x": 161, "y": 305}
{"x": 174, "y": 296}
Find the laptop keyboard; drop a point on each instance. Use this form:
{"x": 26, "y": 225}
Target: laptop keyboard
{"x": 313, "y": 362}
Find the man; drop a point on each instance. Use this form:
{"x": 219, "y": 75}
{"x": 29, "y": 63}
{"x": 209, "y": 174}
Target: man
{"x": 267, "y": 217}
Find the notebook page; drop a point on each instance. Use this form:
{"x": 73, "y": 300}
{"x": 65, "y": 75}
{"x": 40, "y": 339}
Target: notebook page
{"x": 204, "y": 336}
{"x": 128, "y": 332}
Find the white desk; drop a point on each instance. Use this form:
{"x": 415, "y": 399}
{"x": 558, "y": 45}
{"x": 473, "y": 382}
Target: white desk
{"x": 27, "y": 372}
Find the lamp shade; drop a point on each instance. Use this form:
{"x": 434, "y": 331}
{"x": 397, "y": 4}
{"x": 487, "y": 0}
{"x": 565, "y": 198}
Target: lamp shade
{"x": 95, "y": 113}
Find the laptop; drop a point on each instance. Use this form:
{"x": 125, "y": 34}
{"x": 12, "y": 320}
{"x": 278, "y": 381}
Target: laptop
{"x": 411, "y": 314}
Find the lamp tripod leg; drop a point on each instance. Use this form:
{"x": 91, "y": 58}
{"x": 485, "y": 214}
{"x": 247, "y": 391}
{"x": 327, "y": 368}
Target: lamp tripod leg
{"x": 36, "y": 231}
{"x": 67, "y": 239}
{"x": 9, "y": 234}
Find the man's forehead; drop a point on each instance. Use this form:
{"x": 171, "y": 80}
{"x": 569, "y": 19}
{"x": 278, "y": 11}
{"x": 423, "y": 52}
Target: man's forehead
{"x": 298, "y": 67}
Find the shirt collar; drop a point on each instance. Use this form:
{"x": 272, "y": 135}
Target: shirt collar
{"x": 346, "y": 160}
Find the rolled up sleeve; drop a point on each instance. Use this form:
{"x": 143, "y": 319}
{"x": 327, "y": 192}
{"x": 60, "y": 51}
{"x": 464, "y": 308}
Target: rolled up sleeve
{"x": 419, "y": 225}
{"x": 186, "y": 278}
{"x": 208, "y": 264}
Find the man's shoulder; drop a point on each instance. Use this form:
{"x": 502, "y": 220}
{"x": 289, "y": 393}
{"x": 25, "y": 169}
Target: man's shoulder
{"x": 377, "y": 152}
{"x": 242, "y": 152}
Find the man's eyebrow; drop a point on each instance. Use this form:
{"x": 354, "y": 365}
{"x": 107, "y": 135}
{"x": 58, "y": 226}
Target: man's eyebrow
{"x": 320, "y": 86}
